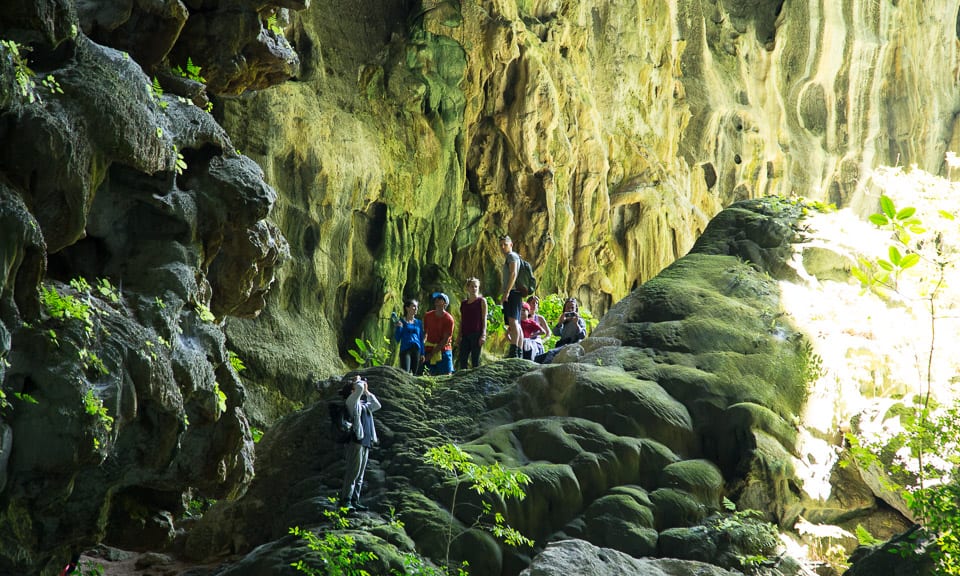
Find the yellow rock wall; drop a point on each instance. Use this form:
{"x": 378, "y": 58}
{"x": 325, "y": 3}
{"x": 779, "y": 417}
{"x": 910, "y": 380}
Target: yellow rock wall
{"x": 602, "y": 136}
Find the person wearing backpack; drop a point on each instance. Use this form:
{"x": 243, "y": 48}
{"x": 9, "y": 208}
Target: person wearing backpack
{"x": 512, "y": 297}
{"x": 360, "y": 406}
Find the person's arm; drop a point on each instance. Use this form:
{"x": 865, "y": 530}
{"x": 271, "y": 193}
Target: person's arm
{"x": 398, "y": 333}
{"x": 420, "y": 336}
{"x": 581, "y": 329}
{"x": 483, "y": 319}
{"x": 352, "y": 404}
{"x": 510, "y": 280}
{"x": 460, "y": 331}
{"x": 428, "y": 338}
{"x": 542, "y": 323}
{"x": 558, "y": 329}
{"x": 446, "y": 330}
{"x": 372, "y": 403}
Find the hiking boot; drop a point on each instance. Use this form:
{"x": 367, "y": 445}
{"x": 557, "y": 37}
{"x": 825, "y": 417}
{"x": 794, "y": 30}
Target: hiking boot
{"x": 513, "y": 352}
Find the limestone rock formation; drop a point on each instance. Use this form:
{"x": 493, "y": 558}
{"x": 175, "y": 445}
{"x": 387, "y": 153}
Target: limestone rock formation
{"x": 129, "y": 228}
{"x": 688, "y": 392}
{"x": 602, "y": 136}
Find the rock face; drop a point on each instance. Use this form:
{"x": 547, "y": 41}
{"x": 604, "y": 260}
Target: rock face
{"x": 129, "y": 228}
{"x": 602, "y": 136}
{"x": 687, "y": 392}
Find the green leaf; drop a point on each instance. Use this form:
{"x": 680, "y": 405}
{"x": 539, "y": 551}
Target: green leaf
{"x": 909, "y": 261}
{"x": 946, "y": 215}
{"x": 879, "y": 220}
{"x": 906, "y": 213}
{"x": 885, "y": 265}
{"x": 886, "y": 204}
{"x": 895, "y": 256}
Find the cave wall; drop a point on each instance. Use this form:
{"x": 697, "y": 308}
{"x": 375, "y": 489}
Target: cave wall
{"x": 602, "y": 136}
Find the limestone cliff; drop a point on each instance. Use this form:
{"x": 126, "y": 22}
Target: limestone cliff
{"x": 601, "y": 135}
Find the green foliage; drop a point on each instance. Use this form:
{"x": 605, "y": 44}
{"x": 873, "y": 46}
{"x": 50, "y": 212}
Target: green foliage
{"x": 157, "y": 92}
{"x": 23, "y": 75}
{"x": 91, "y": 362}
{"x": 414, "y": 565}
{"x": 919, "y": 461}
{"x": 482, "y": 479}
{"x": 864, "y": 537}
{"x": 94, "y": 407}
{"x": 197, "y": 507}
{"x": 191, "y": 72}
{"x": 274, "y": 26}
{"x": 495, "y": 323}
{"x": 86, "y": 568}
{"x": 51, "y": 84}
{"x": 256, "y": 433}
{"x": 334, "y": 555}
{"x": 221, "y": 398}
{"x": 747, "y": 533}
{"x": 236, "y": 362}
{"x": 880, "y": 273}
{"x": 64, "y": 306}
{"x": 179, "y": 164}
{"x": 204, "y": 313}
{"x": 902, "y": 222}
{"x": 367, "y": 354}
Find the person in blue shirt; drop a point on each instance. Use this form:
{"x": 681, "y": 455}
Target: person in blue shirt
{"x": 409, "y": 333}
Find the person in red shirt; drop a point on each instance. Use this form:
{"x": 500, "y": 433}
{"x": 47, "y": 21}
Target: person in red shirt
{"x": 438, "y": 326}
{"x": 473, "y": 325}
{"x": 532, "y": 344}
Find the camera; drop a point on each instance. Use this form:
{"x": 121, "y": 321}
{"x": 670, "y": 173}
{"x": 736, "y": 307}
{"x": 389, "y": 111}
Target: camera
{"x": 569, "y": 314}
{"x": 394, "y": 318}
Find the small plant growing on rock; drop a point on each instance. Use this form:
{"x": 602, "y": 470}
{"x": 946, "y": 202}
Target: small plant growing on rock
{"x": 335, "y": 553}
{"x": 191, "y": 72}
{"x": 482, "y": 479}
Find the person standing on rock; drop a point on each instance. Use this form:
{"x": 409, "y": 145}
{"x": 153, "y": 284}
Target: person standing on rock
{"x": 408, "y": 331}
{"x": 512, "y": 299}
{"x": 438, "y": 325}
{"x": 473, "y": 325}
{"x": 360, "y": 405}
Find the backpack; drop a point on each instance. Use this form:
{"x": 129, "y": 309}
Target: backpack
{"x": 526, "y": 284}
{"x": 341, "y": 426}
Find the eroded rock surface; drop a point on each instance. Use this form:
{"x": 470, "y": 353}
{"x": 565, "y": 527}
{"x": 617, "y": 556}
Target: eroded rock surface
{"x": 129, "y": 228}
{"x": 688, "y": 392}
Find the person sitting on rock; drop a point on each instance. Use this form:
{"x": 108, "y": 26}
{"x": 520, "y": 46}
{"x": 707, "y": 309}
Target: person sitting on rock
{"x": 532, "y": 344}
{"x": 570, "y": 328}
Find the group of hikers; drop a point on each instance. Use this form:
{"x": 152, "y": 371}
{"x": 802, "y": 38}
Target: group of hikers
{"x": 428, "y": 344}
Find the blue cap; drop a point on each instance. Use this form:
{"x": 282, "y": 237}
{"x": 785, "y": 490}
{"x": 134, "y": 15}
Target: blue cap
{"x": 436, "y": 295}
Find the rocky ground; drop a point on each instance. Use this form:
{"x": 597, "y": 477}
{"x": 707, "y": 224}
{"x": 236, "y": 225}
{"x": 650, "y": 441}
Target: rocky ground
{"x": 116, "y": 562}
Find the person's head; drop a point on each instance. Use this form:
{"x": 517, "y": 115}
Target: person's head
{"x": 534, "y": 303}
{"x": 472, "y": 285}
{"x": 440, "y": 301}
{"x": 506, "y": 244}
{"x": 349, "y": 383}
{"x": 525, "y": 311}
{"x": 410, "y": 306}
{"x": 570, "y": 305}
